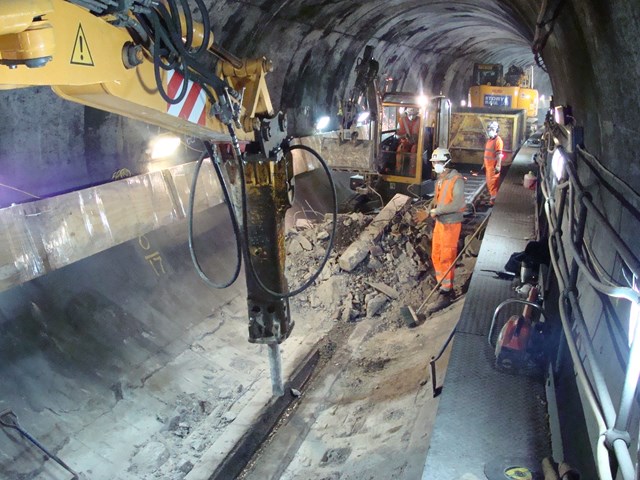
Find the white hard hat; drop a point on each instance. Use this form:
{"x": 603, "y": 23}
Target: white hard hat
{"x": 494, "y": 126}
{"x": 440, "y": 155}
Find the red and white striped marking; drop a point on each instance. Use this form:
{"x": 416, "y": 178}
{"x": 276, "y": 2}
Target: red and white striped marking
{"x": 193, "y": 105}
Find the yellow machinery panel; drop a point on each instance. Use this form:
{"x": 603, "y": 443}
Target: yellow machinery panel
{"x": 468, "y": 133}
{"x": 505, "y": 97}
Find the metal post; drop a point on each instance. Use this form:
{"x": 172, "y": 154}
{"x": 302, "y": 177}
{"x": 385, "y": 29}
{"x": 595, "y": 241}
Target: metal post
{"x": 630, "y": 383}
{"x": 275, "y": 364}
{"x": 433, "y": 377}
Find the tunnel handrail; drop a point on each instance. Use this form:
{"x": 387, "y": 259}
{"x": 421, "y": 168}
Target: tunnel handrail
{"x": 613, "y": 425}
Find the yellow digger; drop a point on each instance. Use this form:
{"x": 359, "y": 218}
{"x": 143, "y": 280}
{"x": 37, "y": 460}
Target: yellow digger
{"x": 388, "y": 155}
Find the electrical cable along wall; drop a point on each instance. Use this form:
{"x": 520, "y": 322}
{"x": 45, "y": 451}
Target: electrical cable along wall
{"x": 581, "y": 276}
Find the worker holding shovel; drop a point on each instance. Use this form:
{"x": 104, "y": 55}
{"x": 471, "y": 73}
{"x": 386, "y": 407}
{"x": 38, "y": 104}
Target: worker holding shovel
{"x": 447, "y": 208}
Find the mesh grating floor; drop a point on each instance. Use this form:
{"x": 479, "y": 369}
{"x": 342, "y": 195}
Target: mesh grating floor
{"x": 485, "y": 414}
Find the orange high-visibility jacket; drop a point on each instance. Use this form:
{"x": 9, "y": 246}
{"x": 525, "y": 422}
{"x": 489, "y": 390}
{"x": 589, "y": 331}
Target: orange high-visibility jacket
{"x": 409, "y": 127}
{"x": 449, "y": 197}
{"x": 492, "y": 148}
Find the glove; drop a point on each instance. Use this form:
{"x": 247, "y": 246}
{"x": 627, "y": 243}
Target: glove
{"x": 432, "y": 212}
{"x": 420, "y": 216}
{"x": 497, "y": 168}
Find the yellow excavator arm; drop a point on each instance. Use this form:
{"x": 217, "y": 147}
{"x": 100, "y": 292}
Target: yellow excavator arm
{"x": 108, "y": 62}
{"x": 149, "y": 60}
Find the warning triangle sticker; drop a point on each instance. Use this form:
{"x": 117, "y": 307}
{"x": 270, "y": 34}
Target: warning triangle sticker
{"x": 81, "y": 54}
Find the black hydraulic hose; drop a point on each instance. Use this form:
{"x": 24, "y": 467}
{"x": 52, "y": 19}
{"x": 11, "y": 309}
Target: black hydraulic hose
{"x": 191, "y": 64}
{"x": 309, "y": 282}
{"x": 234, "y": 221}
{"x": 206, "y": 28}
{"x": 157, "y": 64}
{"x": 175, "y": 19}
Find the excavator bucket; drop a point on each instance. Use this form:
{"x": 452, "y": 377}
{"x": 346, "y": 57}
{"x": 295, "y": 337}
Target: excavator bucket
{"x": 351, "y": 151}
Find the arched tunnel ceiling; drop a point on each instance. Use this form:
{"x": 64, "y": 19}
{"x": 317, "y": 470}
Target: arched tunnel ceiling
{"x": 424, "y": 45}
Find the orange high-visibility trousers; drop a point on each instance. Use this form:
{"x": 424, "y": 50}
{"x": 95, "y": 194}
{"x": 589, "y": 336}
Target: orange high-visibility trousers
{"x": 406, "y": 158}
{"x": 493, "y": 178}
{"x": 444, "y": 250}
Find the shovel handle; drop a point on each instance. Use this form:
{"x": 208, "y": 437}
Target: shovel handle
{"x": 15, "y": 424}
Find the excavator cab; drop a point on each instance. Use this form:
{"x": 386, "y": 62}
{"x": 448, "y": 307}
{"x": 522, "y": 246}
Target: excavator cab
{"x": 411, "y": 128}
{"x": 401, "y": 138}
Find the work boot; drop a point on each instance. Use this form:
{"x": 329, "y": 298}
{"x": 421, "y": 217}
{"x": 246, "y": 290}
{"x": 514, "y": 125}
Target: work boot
{"x": 443, "y": 300}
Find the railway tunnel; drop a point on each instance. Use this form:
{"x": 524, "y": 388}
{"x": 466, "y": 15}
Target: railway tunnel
{"x": 111, "y": 344}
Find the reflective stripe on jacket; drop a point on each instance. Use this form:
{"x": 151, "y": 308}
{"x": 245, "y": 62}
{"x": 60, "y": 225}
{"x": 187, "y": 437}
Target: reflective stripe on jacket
{"x": 449, "y": 197}
{"x": 492, "y": 147}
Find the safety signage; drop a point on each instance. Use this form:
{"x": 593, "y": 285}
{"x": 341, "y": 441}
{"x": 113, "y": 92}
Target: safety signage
{"x": 81, "y": 54}
{"x": 192, "y": 107}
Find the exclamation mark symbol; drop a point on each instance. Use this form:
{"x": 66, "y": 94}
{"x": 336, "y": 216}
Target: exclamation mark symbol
{"x": 81, "y": 48}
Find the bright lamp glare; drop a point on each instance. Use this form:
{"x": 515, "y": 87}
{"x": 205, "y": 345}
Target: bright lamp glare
{"x": 463, "y": 103}
{"x": 557, "y": 164}
{"x": 322, "y": 123}
{"x": 422, "y": 100}
{"x": 541, "y": 98}
{"x": 363, "y": 117}
{"x": 164, "y": 146}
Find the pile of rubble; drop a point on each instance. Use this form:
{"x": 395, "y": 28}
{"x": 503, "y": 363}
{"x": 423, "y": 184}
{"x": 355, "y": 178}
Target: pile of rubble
{"x": 362, "y": 277}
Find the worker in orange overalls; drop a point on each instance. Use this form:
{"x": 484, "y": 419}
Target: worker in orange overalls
{"x": 493, "y": 160}
{"x": 408, "y": 130}
{"x": 447, "y": 208}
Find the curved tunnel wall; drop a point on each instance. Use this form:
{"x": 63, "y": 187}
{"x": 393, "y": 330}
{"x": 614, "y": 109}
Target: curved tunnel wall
{"x": 423, "y": 46}
{"x": 592, "y": 56}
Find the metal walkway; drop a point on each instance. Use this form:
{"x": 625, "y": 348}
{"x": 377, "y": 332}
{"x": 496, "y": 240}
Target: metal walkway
{"x": 487, "y": 418}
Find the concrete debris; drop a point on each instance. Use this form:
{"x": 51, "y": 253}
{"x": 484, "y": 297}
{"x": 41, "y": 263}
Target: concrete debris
{"x": 384, "y": 288}
{"x": 303, "y": 224}
{"x": 391, "y": 271}
{"x": 374, "y": 264}
{"x": 359, "y": 249}
{"x": 305, "y": 243}
{"x": 375, "y": 303}
{"x": 150, "y": 457}
{"x": 186, "y": 467}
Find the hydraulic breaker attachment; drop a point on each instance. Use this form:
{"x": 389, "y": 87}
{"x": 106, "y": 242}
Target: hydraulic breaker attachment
{"x": 267, "y": 185}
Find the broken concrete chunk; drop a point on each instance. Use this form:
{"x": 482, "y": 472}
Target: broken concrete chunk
{"x": 322, "y": 235}
{"x": 374, "y": 264}
{"x": 303, "y": 224}
{"x": 384, "y": 288}
{"x": 358, "y": 250}
{"x": 150, "y": 457}
{"x": 294, "y": 246}
{"x": 305, "y": 243}
{"x": 375, "y": 304}
{"x": 328, "y": 292}
{"x": 186, "y": 467}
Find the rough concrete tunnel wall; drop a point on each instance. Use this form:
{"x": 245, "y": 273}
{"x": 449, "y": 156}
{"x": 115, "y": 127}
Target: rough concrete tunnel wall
{"x": 592, "y": 55}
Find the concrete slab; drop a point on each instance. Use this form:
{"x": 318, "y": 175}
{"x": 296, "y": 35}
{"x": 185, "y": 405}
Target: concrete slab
{"x": 131, "y": 371}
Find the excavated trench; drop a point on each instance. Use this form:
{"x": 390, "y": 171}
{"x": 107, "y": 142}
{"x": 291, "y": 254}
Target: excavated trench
{"x": 125, "y": 365}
